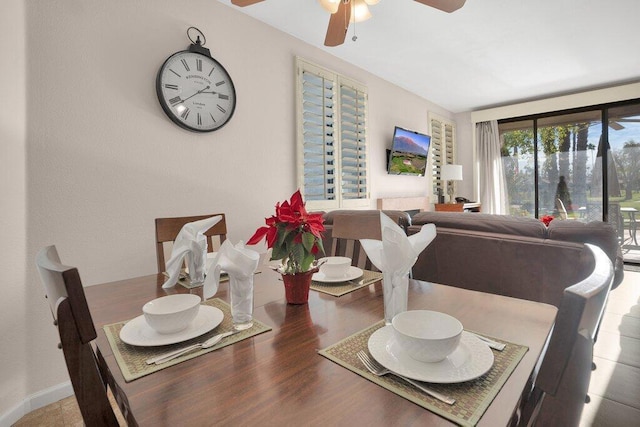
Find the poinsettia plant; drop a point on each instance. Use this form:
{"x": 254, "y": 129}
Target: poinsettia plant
{"x": 546, "y": 219}
{"x": 293, "y": 234}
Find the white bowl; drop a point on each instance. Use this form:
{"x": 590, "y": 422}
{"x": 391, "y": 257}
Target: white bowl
{"x": 171, "y": 314}
{"x": 427, "y": 336}
{"x": 334, "y": 267}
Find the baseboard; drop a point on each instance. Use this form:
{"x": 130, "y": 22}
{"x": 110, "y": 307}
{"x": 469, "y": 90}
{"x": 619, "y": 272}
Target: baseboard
{"x": 36, "y": 401}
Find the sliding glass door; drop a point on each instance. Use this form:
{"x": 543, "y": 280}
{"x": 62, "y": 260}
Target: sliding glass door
{"x": 569, "y": 165}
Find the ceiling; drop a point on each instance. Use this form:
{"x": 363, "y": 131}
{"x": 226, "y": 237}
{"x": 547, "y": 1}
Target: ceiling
{"x": 487, "y": 54}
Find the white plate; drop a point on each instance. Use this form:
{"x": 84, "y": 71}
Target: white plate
{"x": 138, "y": 332}
{"x": 470, "y": 360}
{"x": 352, "y": 273}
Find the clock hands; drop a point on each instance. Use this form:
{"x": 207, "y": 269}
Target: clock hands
{"x": 200, "y": 91}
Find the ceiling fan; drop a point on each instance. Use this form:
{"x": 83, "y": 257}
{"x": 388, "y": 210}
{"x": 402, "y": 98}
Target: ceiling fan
{"x": 341, "y": 11}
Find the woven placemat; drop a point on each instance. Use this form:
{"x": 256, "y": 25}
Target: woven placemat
{"x": 472, "y": 397}
{"x": 132, "y": 359}
{"x": 342, "y": 288}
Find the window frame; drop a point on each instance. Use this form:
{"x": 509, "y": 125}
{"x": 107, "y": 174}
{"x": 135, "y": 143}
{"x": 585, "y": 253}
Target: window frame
{"x": 339, "y": 82}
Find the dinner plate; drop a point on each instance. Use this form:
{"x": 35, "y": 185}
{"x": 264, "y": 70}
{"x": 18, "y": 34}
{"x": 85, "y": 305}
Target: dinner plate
{"x": 352, "y": 274}
{"x": 138, "y": 332}
{"x": 470, "y": 360}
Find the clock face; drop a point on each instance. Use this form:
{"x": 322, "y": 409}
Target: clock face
{"x": 196, "y": 91}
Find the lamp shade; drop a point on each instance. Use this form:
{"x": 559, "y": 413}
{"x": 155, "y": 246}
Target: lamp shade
{"x": 451, "y": 173}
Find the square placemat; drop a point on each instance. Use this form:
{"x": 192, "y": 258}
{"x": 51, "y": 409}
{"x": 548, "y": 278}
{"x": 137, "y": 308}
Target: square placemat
{"x": 343, "y": 288}
{"x": 132, "y": 359}
{"x": 472, "y": 397}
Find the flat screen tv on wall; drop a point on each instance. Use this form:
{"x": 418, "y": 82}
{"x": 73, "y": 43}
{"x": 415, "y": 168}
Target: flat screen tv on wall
{"x": 409, "y": 153}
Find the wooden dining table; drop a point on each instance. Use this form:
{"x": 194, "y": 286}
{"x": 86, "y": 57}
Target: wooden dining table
{"x": 278, "y": 377}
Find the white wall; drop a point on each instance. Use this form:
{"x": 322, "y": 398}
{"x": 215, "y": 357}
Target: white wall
{"x": 13, "y": 312}
{"x": 103, "y": 160}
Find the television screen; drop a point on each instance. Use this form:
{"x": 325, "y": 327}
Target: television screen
{"x": 409, "y": 152}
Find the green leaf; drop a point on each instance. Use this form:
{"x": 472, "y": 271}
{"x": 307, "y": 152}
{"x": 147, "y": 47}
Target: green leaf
{"x": 308, "y": 239}
{"x": 307, "y": 261}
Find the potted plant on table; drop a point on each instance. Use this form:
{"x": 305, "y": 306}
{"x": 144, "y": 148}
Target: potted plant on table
{"x": 295, "y": 237}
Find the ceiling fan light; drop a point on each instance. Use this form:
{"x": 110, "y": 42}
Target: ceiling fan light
{"x": 330, "y": 6}
{"x": 360, "y": 11}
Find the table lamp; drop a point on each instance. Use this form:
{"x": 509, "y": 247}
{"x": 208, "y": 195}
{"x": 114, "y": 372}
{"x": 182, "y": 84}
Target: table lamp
{"x": 451, "y": 173}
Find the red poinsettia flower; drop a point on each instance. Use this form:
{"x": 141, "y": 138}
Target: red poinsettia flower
{"x": 546, "y": 219}
{"x": 293, "y": 234}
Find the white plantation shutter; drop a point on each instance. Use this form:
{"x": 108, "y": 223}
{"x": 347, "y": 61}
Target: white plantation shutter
{"x": 442, "y": 149}
{"x": 332, "y": 143}
{"x": 318, "y": 137}
{"x": 353, "y": 140}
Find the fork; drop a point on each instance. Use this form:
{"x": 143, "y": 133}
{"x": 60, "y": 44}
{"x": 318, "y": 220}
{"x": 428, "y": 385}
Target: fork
{"x": 378, "y": 370}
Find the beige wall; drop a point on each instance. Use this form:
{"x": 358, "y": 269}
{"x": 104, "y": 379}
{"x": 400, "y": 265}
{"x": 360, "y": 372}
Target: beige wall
{"x": 13, "y": 312}
{"x": 102, "y": 160}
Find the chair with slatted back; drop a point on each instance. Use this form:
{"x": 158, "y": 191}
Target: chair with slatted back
{"x": 346, "y": 232}
{"x": 167, "y": 230}
{"x": 560, "y": 388}
{"x": 71, "y": 315}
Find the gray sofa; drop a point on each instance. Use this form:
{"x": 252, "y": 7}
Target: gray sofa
{"x": 506, "y": 255}
{"x": 512, "y": 256}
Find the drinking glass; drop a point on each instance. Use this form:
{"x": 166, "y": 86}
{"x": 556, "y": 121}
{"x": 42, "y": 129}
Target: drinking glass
{"x": 241, "y": 300}
{"x": 395, "y": 289}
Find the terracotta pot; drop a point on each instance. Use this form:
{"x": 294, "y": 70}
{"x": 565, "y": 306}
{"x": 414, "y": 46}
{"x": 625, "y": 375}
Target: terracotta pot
{"x": 296, "y": 286}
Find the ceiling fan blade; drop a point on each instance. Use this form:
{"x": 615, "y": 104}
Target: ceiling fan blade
{"x": 444, "y": 5}
{"x": 243, "y": 3}
{"x": 338, "y": 25}
{"x": 615, "y": 125}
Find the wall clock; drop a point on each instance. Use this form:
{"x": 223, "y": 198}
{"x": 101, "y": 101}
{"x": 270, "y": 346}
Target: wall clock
{"x": 194, "y": 89}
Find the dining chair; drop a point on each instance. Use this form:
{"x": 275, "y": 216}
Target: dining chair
{"x": 71, "y": 315}
{"x": 560, "y": 388}
{"x": 346, "y": 232}
{"x": 167, "y": 230}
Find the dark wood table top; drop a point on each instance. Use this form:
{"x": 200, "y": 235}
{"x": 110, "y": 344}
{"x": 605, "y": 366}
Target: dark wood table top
{"x": 277, "y": 378}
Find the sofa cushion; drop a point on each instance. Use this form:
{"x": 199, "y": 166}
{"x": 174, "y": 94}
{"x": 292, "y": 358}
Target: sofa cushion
{"x": 503, "y": 224}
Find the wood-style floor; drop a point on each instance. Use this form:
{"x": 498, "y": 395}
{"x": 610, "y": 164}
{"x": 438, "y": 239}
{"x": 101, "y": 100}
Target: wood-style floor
{"x": 615, "y": 384}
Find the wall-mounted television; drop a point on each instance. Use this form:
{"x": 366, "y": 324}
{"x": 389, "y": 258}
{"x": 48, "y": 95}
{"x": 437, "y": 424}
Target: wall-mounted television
{"x": 409, "y": 153}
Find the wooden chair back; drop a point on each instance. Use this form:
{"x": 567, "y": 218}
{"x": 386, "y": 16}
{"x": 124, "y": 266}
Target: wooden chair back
{"x": 167, "y": 230}
{"x": 346, "y": 232}
{"x": 561, "y": 386}
{"x": 71, "y": 315}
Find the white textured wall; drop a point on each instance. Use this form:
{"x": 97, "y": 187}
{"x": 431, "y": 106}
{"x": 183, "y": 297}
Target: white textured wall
{"x": 13, "y": 295}
{"x": 103, "y": 160}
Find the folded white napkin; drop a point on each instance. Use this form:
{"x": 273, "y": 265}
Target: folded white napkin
{"x": 394, "y": 256}
{"x": 238, "y": 262}
{"x": 397, "y": 252}
{"x": 192, "y": 243}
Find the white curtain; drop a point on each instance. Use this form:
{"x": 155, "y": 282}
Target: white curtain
{"x": 493, "y": 185}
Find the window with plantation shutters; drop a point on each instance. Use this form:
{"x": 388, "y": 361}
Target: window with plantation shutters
{"x": 442, "y": 149}
{"x": 332, "y": 139}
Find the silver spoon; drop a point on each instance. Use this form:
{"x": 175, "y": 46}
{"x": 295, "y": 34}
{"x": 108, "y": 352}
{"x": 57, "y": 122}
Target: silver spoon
{"x": 177, "y": 353}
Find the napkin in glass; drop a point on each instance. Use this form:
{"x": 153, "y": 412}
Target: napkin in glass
{"x": 192, "y": 244}
{"x": 239, "y": 263}
{"x": 394, "y": 256}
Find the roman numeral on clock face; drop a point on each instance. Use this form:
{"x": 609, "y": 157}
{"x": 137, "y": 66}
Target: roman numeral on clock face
{"x": 199, "y": 64}
{"x": 221, "y": 96}
{"x": 185, "y": 114}
{"x": 221, "y": 109}
{"x": 186, "y": 66}
{"x": 212, "y": 118}
{"x": 173, "y": 87}
{"x": 175, "y": 100}
{"x": 220, "y": 83}
{"x": 199, "y": 120}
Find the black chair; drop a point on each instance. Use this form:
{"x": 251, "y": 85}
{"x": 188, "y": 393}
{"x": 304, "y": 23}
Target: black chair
{"x": 560, "y": 387}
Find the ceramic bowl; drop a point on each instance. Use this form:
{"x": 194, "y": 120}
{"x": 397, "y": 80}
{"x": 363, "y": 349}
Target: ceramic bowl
{"x": 334, "y": 267}
{"x": 173, "y": 313}
{"x": 427, "y": 336}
